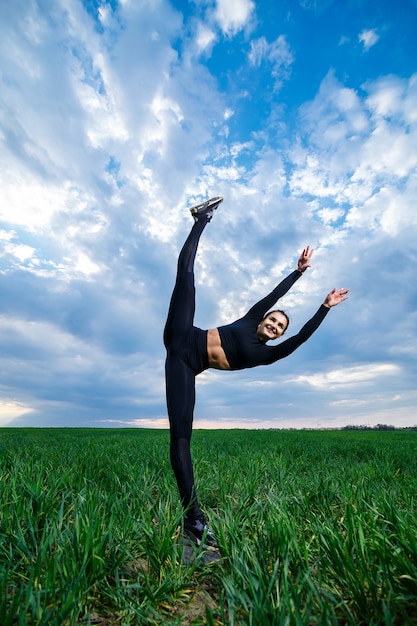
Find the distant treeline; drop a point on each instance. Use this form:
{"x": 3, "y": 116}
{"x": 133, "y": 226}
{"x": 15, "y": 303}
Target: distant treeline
{"x": 377, "y": 427}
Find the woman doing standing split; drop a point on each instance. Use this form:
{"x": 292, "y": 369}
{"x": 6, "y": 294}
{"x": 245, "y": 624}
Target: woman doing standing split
{"x": 235, "y": 346}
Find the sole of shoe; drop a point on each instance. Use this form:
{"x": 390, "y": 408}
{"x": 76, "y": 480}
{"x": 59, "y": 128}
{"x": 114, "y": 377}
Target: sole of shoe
{"x": 199, "y": 542}
{"x": 206, "y": 207}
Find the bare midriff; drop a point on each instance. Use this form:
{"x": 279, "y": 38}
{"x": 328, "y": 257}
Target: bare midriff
{"x": 216, "y": 356}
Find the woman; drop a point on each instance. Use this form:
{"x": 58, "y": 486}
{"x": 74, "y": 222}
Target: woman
{"x": 235, "y": 346}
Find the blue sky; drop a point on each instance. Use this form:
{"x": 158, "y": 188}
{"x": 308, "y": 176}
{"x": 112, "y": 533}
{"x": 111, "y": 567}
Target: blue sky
{"x": 116, "y": 117}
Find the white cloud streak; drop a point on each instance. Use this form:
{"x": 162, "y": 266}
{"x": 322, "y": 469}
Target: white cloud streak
{"x": 276, "y": 54}
{"x": 351, "y": 376}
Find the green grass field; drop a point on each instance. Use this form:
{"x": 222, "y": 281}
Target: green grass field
{"x": 314, "y": 527}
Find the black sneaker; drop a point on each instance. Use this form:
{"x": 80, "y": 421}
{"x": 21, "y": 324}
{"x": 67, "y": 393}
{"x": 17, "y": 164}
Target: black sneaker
{"x": 200, "y": 533}
{"x": 206, "y": 209}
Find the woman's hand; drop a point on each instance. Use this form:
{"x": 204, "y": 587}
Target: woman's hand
{"x": 336, "y": 296}
{"x": 304, "y": 260}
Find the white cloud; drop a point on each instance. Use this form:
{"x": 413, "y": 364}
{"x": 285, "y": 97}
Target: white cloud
{"x": 85, "y": 265}
{"x": 393, "y": 97}
{"x": 328, "y": 216}
{"x": 205, "y": 37}
{"x": 20, "y": 251}
{"x": 357, "y": 153}
{"x": 10, "y": 410}
{"x": 348, "y": 377}
{"x": 391, "y": 210}
{"x": 369, "y": 38}
{"x": 344, "y": 40}
{"x": 233, "y": 15}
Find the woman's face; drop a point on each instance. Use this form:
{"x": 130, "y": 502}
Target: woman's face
{"x": 272, "y": 327}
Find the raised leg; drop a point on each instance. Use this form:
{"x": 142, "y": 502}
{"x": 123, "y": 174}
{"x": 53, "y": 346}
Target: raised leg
{"x": 182, "y": 306}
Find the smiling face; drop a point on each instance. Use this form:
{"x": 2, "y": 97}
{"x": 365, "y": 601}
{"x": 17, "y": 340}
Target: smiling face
{"x": 272, "y": 326}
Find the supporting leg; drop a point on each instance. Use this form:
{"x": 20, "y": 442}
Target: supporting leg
{"x": 195, "y": 522}
{"x": 180, "y": 394}
{"x": 182, "y": 466}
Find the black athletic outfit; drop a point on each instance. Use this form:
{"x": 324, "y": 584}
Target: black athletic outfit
{"x": 187, "y": 355}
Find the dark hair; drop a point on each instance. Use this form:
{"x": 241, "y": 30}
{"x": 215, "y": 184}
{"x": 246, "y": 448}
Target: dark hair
{"x": 282, "y": 313}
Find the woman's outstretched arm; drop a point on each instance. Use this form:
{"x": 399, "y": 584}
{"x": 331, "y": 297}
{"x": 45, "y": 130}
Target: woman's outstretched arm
{"x": 260, "y": 308}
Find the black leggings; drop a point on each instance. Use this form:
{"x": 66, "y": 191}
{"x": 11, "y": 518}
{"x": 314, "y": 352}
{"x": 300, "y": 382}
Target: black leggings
{"x": 186, "y": 348}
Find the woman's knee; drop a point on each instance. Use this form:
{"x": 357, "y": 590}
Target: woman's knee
{"x": 180, "y": 430}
